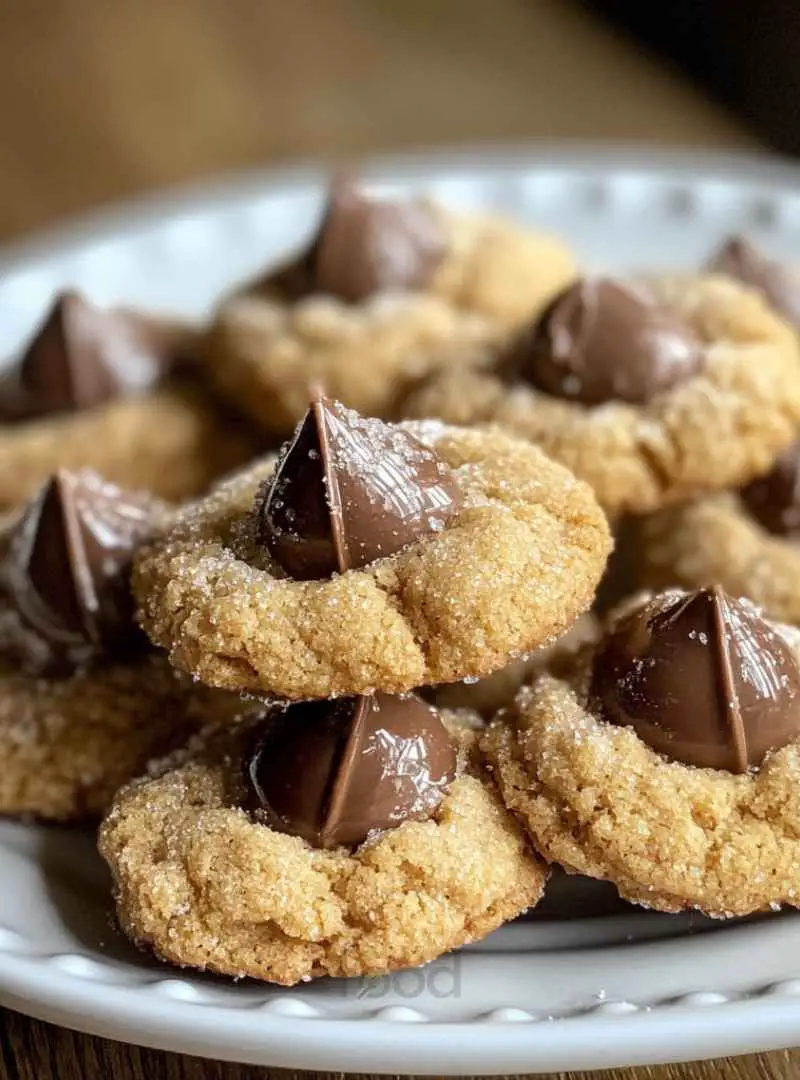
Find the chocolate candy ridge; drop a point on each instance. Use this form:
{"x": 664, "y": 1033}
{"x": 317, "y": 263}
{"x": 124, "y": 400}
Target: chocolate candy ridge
{"x": 64, "y": 563}
{"x": 701, "y": 678}
{"x": 333, "y": 772}
{"x": 601, "y": 340}
{"x": 349, "y": 490}
{"x": 364, "y": 246}
{"x": 774, "y": 499}
{"x": 80, "y": 357}
{"x": 778, "y": 283}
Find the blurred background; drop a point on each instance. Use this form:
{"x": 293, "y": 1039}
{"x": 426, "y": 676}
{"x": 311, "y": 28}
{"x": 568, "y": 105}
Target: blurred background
{"x": 103, "y": 100}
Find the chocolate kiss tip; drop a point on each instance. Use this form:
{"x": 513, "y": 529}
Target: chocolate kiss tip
{"x": 348, "y": 491}
{"x": 602, "y": 340}
{"x": 80, "y": 357}
{"x": 332, "y": 772}
{"x": 702, "y": 678}
{"x": 734, "y": 253}
{"x": 779, "y": 283}
{"x": 64, "y": 571}
{"x": 363, "y": 246}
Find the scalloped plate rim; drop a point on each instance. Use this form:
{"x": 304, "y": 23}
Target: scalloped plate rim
{"x": 110, "y": 217}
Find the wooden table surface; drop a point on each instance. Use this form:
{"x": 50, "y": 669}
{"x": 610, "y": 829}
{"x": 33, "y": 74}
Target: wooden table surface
{"x": 102, "y": 101}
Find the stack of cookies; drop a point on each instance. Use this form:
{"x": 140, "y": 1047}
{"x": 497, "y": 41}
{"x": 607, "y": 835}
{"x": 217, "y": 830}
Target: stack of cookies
{"x": 343, "y": 825}
{"x": 343, "y": 710}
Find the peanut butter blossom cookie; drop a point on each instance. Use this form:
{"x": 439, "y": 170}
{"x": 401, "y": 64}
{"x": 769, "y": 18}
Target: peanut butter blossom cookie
{"x": 373, "y": 557}
{"x": 669, "y": 763}
{"x": 83, "y": 703}
{"x": 385, "y": 293}
{"x": 107, "y": 390}
{"x": 343, "y": 838}
{"x": 748, "y": 541}
{"x": 652, "y": 392}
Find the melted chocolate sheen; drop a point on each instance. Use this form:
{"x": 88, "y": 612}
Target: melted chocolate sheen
{"x": 603, "y": 341}
{"x": 64, "y": 596}
{"x": 81, "y": 357}
{"x": 778, "y": 283}
{"x": 702, "y": 678}
{"x": 774, "y": 499}
{"x": 365, "y": 246}
{"x": 349, "y": 490}
{"x": 332, "y": 772}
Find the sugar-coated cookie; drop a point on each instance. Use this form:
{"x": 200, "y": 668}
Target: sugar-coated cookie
{"x": 373, "y": 557}
{"x": 107, "y": 390}
{"x": 386, "y": 293}
{"x": 346, "y": 838}
{"x": 652, "y": 393}
{"x": 68, "y": 744}
{"x": 83, "y": 703}
{"x": 669, "y": 763}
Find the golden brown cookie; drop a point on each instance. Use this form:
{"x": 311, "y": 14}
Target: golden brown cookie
{"x": 68, "y": 744}
{"x": 512, "y": 568}
{"x": 746, "y": 541}
{"x": 386, "y": 294}
{"x": 599, "y": 768}
{"x": 694, "y": 414}
{"x": 174, "y": 441}
{"x": 99, "y": 389}
{"x": 204, "y": 883}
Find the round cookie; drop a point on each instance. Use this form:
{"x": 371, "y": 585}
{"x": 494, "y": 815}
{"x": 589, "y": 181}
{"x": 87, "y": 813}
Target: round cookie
{"x": 201, "y": 881}
{"x": 669, "y": 762}
{"x": 386, "y": 293}
{"x": 652, "y": 396}
{"x": 83, "y": 706}
{"x": 100, "y": 389}
{"x": 746, "y": 541}
{"x": 466, "y": 549}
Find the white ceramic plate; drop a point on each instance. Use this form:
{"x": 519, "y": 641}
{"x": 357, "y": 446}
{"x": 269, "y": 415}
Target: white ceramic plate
{"x": 624, "y": 988}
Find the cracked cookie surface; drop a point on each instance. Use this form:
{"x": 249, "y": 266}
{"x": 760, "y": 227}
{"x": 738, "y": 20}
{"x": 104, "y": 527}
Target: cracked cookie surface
{"x": 201, "y": 884}
{"x": 719, "y": 428}
{"x": 515, "y": 568}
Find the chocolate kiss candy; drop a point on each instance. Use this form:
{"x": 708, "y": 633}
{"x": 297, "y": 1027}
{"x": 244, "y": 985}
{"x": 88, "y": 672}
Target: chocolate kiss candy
{"x": 64, "y": 597}
{"x": 774, "y": 499}
{"x": 702, "y": 678}
{"x": 365, "y": 246}
{"x": 349, "y": 490}
{"x": 332, "y": 772}
{"x": 80, "y": 357}
{"x": 603, "y": 341}
{"x": 779, "y": 284}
